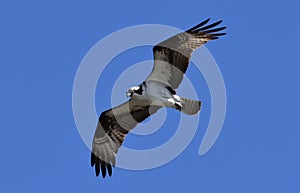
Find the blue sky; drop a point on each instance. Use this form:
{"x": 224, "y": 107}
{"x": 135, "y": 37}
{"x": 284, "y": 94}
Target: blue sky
{"x": 43, "y": 43}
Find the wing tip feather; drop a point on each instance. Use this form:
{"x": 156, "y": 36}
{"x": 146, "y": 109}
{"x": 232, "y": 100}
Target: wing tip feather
{"x": 101, "y": 165}
{"x": 199, "y": 25}
{"x": 92, "y": 159}
{"x": 203, "y": 28}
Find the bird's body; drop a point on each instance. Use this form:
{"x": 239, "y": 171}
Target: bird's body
{"x": 171, "y": 60}
{"x": 156, "y": 92}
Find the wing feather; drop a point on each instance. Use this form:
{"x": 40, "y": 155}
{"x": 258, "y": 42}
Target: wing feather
{"x": 172, "y": 56}
{"x": 112, "y": 128}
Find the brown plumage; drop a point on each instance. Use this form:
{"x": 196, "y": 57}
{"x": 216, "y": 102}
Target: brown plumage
{"x": 171, "y": 60}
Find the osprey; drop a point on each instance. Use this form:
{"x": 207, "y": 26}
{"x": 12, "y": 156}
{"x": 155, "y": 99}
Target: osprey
{"x": 171, "y": 60}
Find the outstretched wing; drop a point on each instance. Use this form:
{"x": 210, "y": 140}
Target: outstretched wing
{"x": 172, "y": 56}
{"x": 111, "y": 130}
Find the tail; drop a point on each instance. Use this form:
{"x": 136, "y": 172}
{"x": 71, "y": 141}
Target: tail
{"x": 189, "y": 106}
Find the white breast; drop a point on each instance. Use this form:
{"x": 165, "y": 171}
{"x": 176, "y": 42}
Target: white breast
{"x": 156, "y": 91}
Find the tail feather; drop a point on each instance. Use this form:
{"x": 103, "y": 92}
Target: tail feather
{"x": 189, "y": 106}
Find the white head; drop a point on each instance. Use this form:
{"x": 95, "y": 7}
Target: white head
{"x": 136, "y": 90}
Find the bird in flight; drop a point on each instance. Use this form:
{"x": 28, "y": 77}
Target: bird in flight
{"x": 171, "y": 60}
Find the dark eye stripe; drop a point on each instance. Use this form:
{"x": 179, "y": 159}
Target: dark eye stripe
{"x": 139, "y": 91}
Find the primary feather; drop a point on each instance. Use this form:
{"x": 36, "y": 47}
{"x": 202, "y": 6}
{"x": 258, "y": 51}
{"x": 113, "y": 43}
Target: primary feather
{"x": 171, "y": 60}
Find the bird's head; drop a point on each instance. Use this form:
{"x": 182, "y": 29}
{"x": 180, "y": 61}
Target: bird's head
{"x": 136, "y": 90}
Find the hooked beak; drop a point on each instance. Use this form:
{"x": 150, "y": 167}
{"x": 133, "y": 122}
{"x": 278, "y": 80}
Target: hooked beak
{"x": 129, "y": 93}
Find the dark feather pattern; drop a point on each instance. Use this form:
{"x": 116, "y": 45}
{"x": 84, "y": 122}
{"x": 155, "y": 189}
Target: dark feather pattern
{"x": 111, "y": 131}
{"x": 172, "y": 56}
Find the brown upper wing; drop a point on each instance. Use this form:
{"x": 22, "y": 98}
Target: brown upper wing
{"x": 172, "y": 56}
{"x": 111, "y": 130}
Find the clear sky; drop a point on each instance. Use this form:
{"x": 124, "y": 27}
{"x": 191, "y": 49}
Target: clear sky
{"x": 42, "y": 44}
